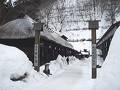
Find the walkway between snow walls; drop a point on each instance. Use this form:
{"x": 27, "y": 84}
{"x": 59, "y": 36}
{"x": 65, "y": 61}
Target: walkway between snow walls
{"x": 76, "y": 76}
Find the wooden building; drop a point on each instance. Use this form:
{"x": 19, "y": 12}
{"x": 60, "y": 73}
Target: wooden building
{"x": 20, "y": 33}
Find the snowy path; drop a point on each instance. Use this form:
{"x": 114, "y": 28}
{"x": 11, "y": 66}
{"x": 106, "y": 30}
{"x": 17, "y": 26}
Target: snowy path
{"x": 77, "y": 76}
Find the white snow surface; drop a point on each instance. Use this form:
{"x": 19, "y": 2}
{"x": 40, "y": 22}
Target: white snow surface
{"x": 13, "y": 62}
{"x": 99, "y": 58}
{"x": 55, "y": 37}
{"x": 109, "y": 75}
{"x": 16, "y": 29}
{"x": 74, "y": 76}
{"x": 23, "y": 28}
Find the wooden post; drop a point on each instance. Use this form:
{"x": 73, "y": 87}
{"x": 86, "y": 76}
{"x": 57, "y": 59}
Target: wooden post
{"x": 94, "y": 54}
{"x": 38, "y": 27}
{"x": 94, "y": 25}
{"x": 47, "y": 70}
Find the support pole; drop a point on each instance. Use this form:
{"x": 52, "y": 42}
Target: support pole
{"x": 94, "y": 25}
{"x": 94, "y": 54}
{"x": 38, "y": 27}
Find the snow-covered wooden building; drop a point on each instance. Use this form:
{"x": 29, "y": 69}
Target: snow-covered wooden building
{"x": 20, "y": 33}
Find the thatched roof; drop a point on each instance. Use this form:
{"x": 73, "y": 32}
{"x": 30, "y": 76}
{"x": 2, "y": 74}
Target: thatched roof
{"x": 19, "y": 28}
{"x": 23, "y": 28}
{"x": 56, "y": 38}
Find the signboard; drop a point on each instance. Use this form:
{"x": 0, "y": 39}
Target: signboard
{"x": 94, "y": 24}
{"x": 94, "y": 56}
{"x": 38, "y": 26}
{"x": 36, "y": 52}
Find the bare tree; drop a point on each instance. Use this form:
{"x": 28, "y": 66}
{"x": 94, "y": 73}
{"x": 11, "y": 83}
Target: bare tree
{"x": 60, "y": 9}
{"x": 110, "y": 6}
{"x": 46, "y": 15}
{"x": 54, "y": 16}
{"x": 86, "y": 9}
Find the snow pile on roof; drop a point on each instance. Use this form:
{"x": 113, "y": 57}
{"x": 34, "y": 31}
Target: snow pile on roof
{"x": 55, "y": 37}
{"x": 19, "y": 28}
{"x": 109, "y": 75}
{"x": 23, "y": 28}
{"x": 85, "y": 53}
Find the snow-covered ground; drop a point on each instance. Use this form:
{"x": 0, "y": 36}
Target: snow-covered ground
{"x": 75, "y": 76}
{"x": 15, "y": 64}
{"x": 109, "y": 75}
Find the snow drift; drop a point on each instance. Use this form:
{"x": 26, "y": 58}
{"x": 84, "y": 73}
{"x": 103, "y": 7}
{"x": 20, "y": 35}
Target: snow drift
{"x": 109, "y": 75}
{"x": 13, "y": 64}
{"x": 12, "y": 61}
{"x": 17, "y": 73}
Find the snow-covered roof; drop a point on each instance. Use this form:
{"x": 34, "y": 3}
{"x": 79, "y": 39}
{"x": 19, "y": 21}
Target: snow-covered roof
{"x": 23, "y": 28}
{"x": 55, "y": 37}
{"x": 19, "y": 28}
{"x": 85, "y": 53}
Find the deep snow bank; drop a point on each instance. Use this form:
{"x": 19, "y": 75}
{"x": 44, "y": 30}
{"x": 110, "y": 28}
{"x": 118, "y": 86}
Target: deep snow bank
{"x": 109, "y": 75}
{"x": 58, "y": 66}
{"x": 13, "y": 60}
{"x": 13, "y": 64}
